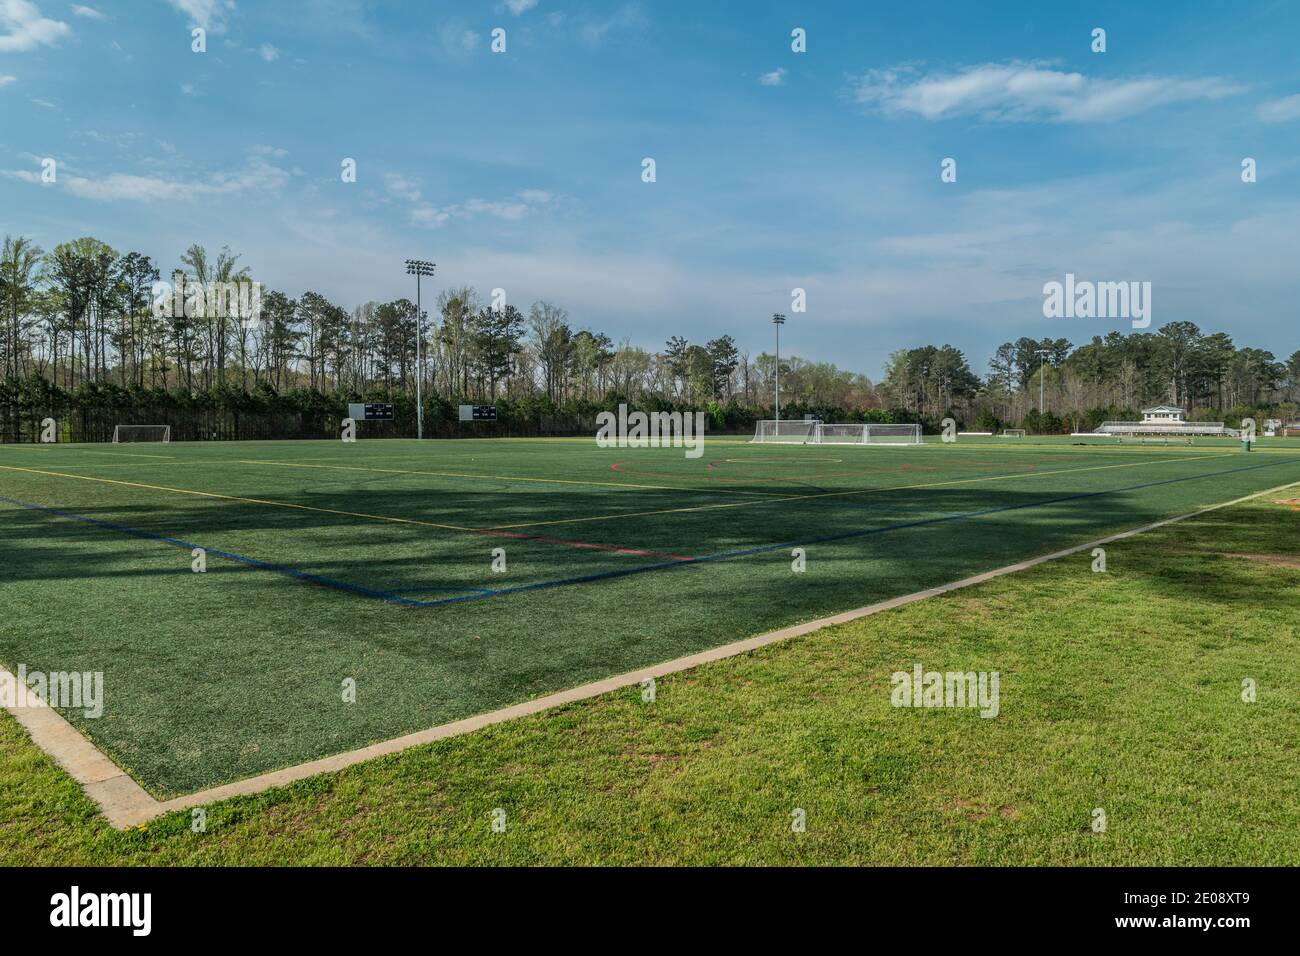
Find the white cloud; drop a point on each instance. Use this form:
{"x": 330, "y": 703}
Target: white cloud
{"x": 627, "y": 17}
{"x": 6, "y": 80}
{"x": 187, "y": 89}
{"x": 256, "y": 174}
{"x": 401, "y": 187}
{"x": 1280, "y": 111}
{"x": 518, "y": 206}
{"x": 1022, "y": 92}
{"x": 775, "y": 78}
{"x": 520, "y": 6}
{"x": 45, "y": 104}
{"x": 268, "y": 52}
{"x": 90, "y": 13}
{"x": 208, "y": 14}
{"x": 25, "y": 29}
{"x": 458, "y": 39}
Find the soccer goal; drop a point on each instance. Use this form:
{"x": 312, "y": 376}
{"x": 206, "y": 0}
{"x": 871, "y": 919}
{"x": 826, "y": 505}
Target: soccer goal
{"x": 869, "y": 434}
{"x": 794, "y": 431}
{"x": 1013, "y": 433}
{"x": 134, "y": 433}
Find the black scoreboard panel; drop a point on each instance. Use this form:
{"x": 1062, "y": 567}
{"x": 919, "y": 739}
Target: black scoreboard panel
{"x": 379, "y": 412}
{"x": 478, "y": 413}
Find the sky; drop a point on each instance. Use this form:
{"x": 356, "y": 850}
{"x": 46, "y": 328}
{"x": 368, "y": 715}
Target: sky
{"x": 774, "y": 169}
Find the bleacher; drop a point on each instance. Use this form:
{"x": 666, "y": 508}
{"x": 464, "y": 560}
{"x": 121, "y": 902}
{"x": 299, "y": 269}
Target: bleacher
{"x": 1183, "y": 429}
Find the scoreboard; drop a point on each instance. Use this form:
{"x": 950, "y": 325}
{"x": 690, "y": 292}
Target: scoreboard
{"x": 478, "y": 413}
{"x": 371, "y": 411}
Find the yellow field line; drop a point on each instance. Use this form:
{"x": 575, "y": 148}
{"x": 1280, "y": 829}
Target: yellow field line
{"x": 255, "y": 501}
{"x": 840, "y": 494}
{"x": 452, "y": 474}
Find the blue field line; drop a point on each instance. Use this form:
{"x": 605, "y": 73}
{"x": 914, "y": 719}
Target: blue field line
{"x": 860, "y": 533}
{"x": 435, "y": 587}
{"x": 229, "y": 555}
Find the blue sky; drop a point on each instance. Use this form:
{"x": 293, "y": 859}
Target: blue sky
{"x": 775, "y": 169}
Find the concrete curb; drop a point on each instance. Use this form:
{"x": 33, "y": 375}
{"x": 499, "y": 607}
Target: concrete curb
{"x": 125, "y": 803}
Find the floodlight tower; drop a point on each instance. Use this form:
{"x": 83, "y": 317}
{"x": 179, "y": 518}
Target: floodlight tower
{"x": 1042, "y": 361}
{"x": 778, "y": 320}
{"x": 419, "y": 268}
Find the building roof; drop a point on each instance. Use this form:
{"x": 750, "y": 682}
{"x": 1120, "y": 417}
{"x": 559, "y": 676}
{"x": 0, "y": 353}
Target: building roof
{"x": 1163, "y": 408}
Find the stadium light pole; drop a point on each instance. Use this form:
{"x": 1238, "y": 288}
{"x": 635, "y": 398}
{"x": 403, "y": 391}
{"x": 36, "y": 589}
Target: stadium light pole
{"x": 778, "y": 320}
{"x": 419, "y": 268}
{"x": 1042, "y": 362}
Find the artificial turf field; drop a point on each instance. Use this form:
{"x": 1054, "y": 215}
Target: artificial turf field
{"x": 373, "y": 561}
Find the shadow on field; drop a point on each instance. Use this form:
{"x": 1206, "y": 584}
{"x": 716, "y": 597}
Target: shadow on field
{"x": 1211, "y": 574}
{"x": 903, "y": 539}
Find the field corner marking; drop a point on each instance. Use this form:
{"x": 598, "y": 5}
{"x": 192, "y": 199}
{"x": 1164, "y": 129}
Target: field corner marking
{"x": 122, "y": 801}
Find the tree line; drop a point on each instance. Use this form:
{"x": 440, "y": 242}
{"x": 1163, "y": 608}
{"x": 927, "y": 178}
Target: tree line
{"x": 80, "y": 333}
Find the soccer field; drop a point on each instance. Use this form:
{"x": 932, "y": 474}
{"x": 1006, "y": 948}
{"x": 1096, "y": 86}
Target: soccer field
{"x": 378, "y": 562}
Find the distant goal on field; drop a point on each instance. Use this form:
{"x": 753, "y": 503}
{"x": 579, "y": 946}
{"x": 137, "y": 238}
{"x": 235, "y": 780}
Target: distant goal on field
{"x": 829, "y": 433}
{"x": 137, "y": 433}
{"x": 1013, "y": 433}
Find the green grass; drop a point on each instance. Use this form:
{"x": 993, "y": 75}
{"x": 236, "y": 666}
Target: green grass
{"x": 1119, "y": 690}
{"x": 220, "y": 676}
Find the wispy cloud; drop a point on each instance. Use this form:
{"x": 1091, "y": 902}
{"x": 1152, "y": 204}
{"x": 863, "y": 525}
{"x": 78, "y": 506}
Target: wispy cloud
{"x": 258, "y": 173}
{"x": 208, "y": 14}
{"x": 520, "y": 6}
{"x": 6, "y": 80}
{"x": 1280, "y": 111}
{"x": 627, "y": 17}
{"x": 25, "y": 29}
{"x": 423, "y": 213}
{"x": 90, "y": 13}
{"x": 401, "y": 187}
{"x": 457, "y": 38}
{"x": 775, "y": 78}
{"x": 1024, "y": 92}
{"x": 268, "y": 52}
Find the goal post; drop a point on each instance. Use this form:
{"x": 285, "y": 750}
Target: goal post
{"x": 138, "y": 433}
{"x": 836, "y": 433}
{"x": 871, "y": 433}
{"x": 793, "y": 431}
{"x": 892, "y": 434}
{"x": 1013, "y": 433}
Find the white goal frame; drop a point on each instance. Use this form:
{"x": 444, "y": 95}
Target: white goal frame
{"x": 794, "y": 431}
{"x": 1013, "y": 433}
{"x": 122, "y": 433}
{"x": 833, "y": 433}
{"x": 871, "y": 433}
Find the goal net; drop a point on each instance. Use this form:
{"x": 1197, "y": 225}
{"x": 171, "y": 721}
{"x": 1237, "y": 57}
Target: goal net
{"x": 870, "y": 434}
{"x": 828, "y": 433}
{"x": 134, "y": 433}
{"x": 793, "y": 431}
{"x": 1013, "y": 433}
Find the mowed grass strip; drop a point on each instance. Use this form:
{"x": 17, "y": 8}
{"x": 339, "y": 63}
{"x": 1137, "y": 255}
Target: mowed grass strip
{"x": 1119, "y": 690}
{"x": 215, "y": 677}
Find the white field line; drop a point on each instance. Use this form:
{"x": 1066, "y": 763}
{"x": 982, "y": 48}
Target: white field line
{"x": 126, "y": 804}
